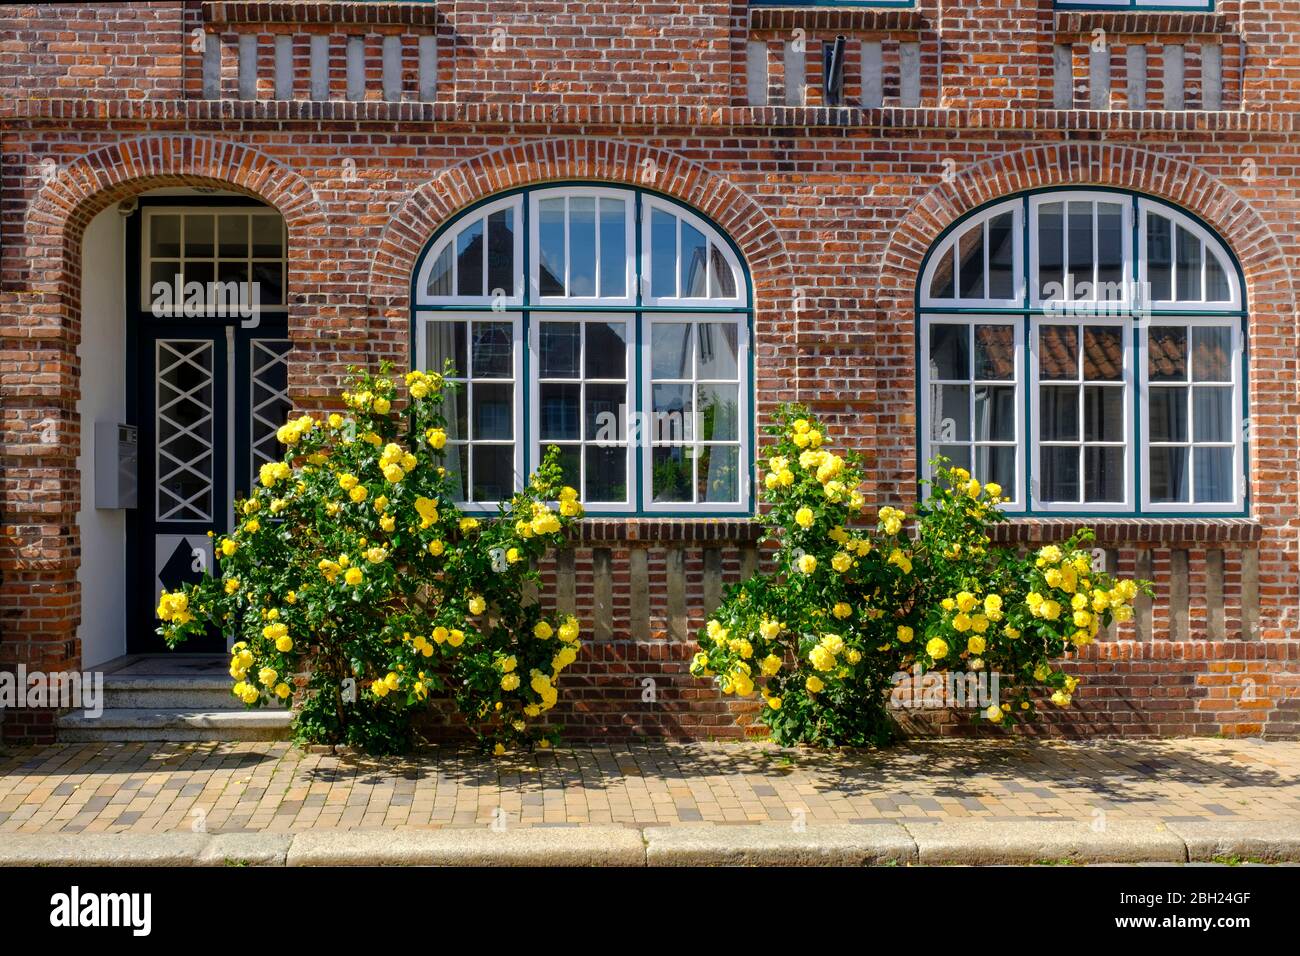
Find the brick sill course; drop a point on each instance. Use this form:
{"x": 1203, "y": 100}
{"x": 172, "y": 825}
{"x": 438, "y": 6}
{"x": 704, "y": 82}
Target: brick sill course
{"x": 291, "y": 11}
{"x": 1143, "y": 23}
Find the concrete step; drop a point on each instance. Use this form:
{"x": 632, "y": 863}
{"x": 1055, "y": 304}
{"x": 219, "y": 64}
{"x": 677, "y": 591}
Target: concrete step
{"x": 164, "y": 692}
{"x": 174, "y": 724}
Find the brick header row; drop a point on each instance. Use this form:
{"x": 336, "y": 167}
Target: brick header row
{"x": 789, "y": 118}
{"x": 288, "y": 11}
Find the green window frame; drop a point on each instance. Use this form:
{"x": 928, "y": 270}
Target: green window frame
{"x": 563, "y": 275}
{"x": 1157, "y": 6}
{"x": 1086, "y": 348}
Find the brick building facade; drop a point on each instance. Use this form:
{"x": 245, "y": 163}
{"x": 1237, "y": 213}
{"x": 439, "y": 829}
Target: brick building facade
{"x": 371, "y": 127}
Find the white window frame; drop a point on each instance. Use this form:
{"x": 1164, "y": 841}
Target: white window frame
{"x": 628, "y": 319}
{"x": 629, "y": 245}
{"x": 712, "y": 236}
{"x": 1128, "y": 444}
{"x": 423, "y": 319}
{"x": 930, "y": 445}
{"x": 1210, "y": 246}
{"x": 216, "y": 212}
{"x": 515, "y": 297}
{"x": 949, "y": 250}
{"x": 1070, "y": 304}
{"x": 741, "y": 506}
{"x": 1238, "y": 443}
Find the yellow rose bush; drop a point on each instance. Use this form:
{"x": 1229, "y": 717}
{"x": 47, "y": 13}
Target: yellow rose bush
{"x": 862, "y": 592}
{"x": 350, "y": 563}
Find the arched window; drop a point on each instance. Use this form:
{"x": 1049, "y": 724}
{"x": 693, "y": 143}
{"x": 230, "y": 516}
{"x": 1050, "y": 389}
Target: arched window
{"x": 610, "y": 322}
{"x": 1086, "y": 350}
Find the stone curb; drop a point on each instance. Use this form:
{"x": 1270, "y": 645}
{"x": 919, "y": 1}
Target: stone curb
{"x": 971, "y": 842}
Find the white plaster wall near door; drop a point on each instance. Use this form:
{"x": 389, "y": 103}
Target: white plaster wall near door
{"x": 103, "y": 398}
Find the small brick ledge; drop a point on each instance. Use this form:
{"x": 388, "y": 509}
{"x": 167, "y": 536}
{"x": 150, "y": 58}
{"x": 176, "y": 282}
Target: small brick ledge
{"x": 737, "y": 530}
{"x": 846, "y": 19}
{"x": 1132, "y": 530}
{"x": 294, "y": 11}
{"x": 1172, "y": 23}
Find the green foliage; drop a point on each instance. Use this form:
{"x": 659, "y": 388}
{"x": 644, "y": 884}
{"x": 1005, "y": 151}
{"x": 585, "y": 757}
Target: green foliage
{"x": 854, "y": 603}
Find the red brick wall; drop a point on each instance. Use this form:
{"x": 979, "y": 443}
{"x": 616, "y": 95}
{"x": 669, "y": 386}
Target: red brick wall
{"x": 833, "y": 211}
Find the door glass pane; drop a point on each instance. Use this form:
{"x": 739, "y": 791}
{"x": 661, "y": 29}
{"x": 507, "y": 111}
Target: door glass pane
{"x": 719, "y": 407}
{"x": 995, "y": 413}
{"x": 1103, "y": 474}
{"x": 582, "y": 245}
{"x": 1103, "y": 413}
{"x": 1167, "y": 353}
{"x": 561, "y": 411}
{"x": 559, "y": 345}
{"x": 719, "y": 346}
{"x": 995, "y": 353}
{"x": 1168, "y": 474}
{"x": 970, "y": 263}
{"x": 672, "y": 475}
{"x": 950, "y": 418}
{"x": 268, "y": 237}
{"x": 269, "y": 277}
{"x": 1212, "y": 354}
{"x": 232, "y": 236}
{"x": 1167, "y": 416}
{"x": 1050, "y": 251}
{"x": 165, "y": 237}
{"x": 1060, "y": 474}
{"x": 183, "y": 423}
{"x": 949, "y": 352}
{"x": 1160, "y": 257}
{"x": 1213, "y": 468}
{"x": 232, "y": 271}
{"x": 550, "y": 237}
{"x": 670, "y": 350}
{"x": 663, "y": 254}
{"x": 613, "y": 248}
{"x": 493, "y": 411}
{"x": 719, "y": 474}
{"x": 269, "y": 404}
{"x": 200, "y": 232}
{"x": 1058, "y": 352}
{"x": 493, "y": 350}
{"x": 501, "y": 252}
{"x": 1103, "y": 353}
{"x": 1058, "y": 413}
{"x": 1002, "y": 247}
{"x": 1211, "y": 413}
{"x": 469, "y": 260}
{"x": 694, "y": 263}
{"x": 606, "y": 350}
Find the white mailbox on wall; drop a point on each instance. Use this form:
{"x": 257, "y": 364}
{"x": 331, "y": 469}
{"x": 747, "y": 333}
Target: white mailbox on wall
{"x": 116, "y": 463}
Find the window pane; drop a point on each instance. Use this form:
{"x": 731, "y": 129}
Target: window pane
{"x": 1211, "y": 413}
{"x": 501, "y": 252}
{"x": 672, "y": 475}
{"x": 165, "y": 237}
{"x": 719, "y": 474}
{"x": 694, "y": 263}
{"x": 493, "y": 348}
{"x": 582, "y": 245}
{"x": 950, "y": 419}
{"x": 719, "y": 347}
{"x": 1058, "y": 413}
{"x": 958, "y": 455}
{"x": 606, "y": 350}
{"x": 559, "y": 345}
{"x": 1002, "y": 247}
{"x": 494, "y": 472}
{"x": 1168, "y": 474}
{"x": 1212, "y": 354}
{"x": 995, "y": 353}
{"x": 949, "y": 352}
{"x": 719, "y": 412}
{"x": 970, "y": 263}
{"x": 232, "y": 236}
{"x": 1167, "y": 354}
{"x": 444, "y": 341}
{"x": 440, "y": 275}
{"x": 606, "y": 474}
{"x": 1103, "y": 474}
{"x": 670, "y": 344}
{"x": 560, "y": 411}
{"x": 1103, "y": 413}
{"x": 570, "y": 463}
{"x": 493, "y": 412}
{"x": 1167, "y": 416}
{"x": 1110, "y": 252}
{"x": 1189, "y": 267}
{"x": 269, "y": 277}
{"x": 1216, "y": 281}
{"x": 165, "y": 272}
{"x": 1058, "y": 352}
{"x": 1103, "y": 353}
{"x": 550, "y": 238}
{"x": 1213, "y": 474}
{"x": 1060, "y": 474}
{"x": 941, "y": 284}
{"x": 1080, "y": 251}
{"x": 1160, "y": 257}
{"x": 199, "y": 231}
{"x": 613, "y": 248}
{"x": 457, "y": 464}
{"x": 996, "y": 464}
{"x": 673, "y": 413}
{"x": 236, "y": 271}
{"x": 469, "y": 260}
{"x": 268, "y": 237}
{"x": 1050, "y": 252}
{"x": 995, "y": 413}
{"x": 724, "y": 280}
{"x": 202, "y": 272}
{"x": 663, "y": 254}
{"x": 606, "y": 409}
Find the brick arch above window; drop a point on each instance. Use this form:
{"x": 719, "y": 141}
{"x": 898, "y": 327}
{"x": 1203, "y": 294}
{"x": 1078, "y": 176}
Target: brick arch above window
{"x": 437, "y": 201}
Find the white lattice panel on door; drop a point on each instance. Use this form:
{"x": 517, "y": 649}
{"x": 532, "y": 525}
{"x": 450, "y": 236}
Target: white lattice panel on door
{"x": 184, "y": 426}
{"x": 269, "y": 404}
